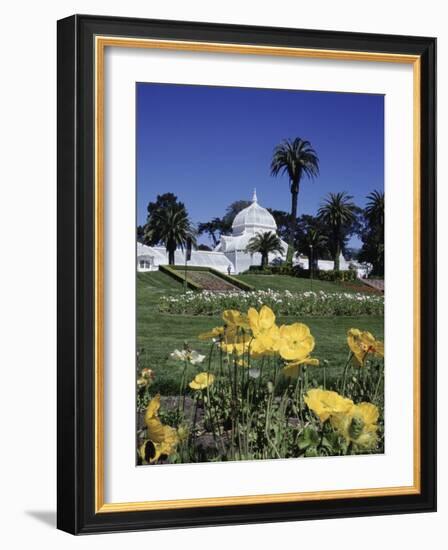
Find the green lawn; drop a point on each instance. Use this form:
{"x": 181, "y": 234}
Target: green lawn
{"x": 159, "y": 334}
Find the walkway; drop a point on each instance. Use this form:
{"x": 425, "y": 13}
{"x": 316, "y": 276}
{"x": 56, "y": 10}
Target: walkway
{"x": 377, "y": 284}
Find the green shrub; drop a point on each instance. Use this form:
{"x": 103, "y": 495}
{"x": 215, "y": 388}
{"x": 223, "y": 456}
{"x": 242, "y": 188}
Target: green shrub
{"x": 332, "y": 275}
{"x": 297, "y": 271}
{"x": 257, "y": 270}
{"x": 292, "y": 271}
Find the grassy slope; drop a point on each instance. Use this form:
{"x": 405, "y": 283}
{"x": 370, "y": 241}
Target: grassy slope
{"x": 159, "y": 334}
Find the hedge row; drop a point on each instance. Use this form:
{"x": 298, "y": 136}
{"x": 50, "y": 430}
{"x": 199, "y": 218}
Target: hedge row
{"x": 297, "y": 271}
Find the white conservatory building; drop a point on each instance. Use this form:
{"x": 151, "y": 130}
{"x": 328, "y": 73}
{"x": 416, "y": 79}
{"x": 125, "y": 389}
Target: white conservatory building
{"x": 247, "y": 223}
{"x": 230, "y": 255}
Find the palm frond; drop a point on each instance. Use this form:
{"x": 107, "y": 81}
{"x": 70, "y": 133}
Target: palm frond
{"x": 337, "y": 209}
{"x": 375, "y": 207}
{"x": 265, "y": 243}
{"x": 172, "y": 227}
{"x": 295, "y": 158}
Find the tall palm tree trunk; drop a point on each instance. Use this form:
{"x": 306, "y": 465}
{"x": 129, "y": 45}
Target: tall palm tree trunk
{"x": 293, "y": 222}
{"x": 171, "y": 249}
{"x": 337, "y": 250}
{"x": 336, "y": 260}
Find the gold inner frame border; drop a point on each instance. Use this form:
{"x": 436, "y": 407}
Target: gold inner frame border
{"x": 100, "y": 44}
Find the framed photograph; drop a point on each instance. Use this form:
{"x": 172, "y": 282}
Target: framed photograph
{"x": 246, "y": 274}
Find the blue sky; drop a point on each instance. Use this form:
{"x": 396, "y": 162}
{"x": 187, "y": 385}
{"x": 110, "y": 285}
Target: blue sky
{"x": 212, "y": 145}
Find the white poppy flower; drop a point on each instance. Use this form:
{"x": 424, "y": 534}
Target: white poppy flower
{"x": 192, "y": 357}
{"x": 179, "y": 355}
{"x": 196, "y": 358}
{"x": 254, "y": 373}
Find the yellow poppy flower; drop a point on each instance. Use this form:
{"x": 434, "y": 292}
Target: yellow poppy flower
{"x": 265, "y": 331}
{"x": 151, "y": 452}
{"x": 293, "y": 369}
{"x": 202, "y": 380}
{"x": 154, "y": 426}
{"x": 216, "y": 332}
{"x": 235, "y": 320}
{"x": 296, "y": 342}
{"x": 262, "y": 321}
{"x": 235, "y": 323}
{"x": 358, "y": 425}
{"x": 237, "y": 344}
{"x": 266, "y": 343}
{"x": 363, "y": 342}
{"x": 326, "y": 403}
{"x": 162, "y": 440}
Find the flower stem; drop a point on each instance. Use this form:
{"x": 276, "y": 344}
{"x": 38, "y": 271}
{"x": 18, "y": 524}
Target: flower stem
{"x": 195, "y": 417}
{"x": 380, "y": 378}
{"x": 210, "y": 415}
{"x": 268, "y": 425}
{"x": 344, "y": 376}
{"x": 183, "y": 388}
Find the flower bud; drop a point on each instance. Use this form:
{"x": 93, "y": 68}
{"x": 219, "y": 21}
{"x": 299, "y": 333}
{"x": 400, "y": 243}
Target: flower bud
{"x": 356, "y": 427}
{"x": 147, "y": 373}
{"x": 182, "y": 432}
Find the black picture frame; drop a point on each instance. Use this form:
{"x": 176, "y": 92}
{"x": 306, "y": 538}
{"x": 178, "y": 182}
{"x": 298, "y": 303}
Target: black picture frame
{"x": 76, "y": 255}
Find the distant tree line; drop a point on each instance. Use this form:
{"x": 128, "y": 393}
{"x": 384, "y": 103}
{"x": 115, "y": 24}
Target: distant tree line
{"x": 323, "y": 236}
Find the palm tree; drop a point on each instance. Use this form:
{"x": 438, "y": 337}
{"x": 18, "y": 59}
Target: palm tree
{"x": 265, "y": 243}
{"x": 172, "y": 227}
{"x": 375, "y": 208}
{"x": 337, "y": 211}
{"x": 312, "y": 246}
{"x": 294, "y": 158}
{"x": 373, "y": 248}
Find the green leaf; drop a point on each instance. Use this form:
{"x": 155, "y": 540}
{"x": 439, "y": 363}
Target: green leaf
{"x": 311, "y": 451}
{"x": 309, "y": 437}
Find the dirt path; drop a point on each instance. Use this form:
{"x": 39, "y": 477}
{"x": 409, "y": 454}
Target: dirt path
{"x": 377, "y": 284}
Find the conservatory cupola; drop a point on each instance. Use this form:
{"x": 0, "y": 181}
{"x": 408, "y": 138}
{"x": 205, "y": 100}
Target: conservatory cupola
{"x": 253, "y": 219}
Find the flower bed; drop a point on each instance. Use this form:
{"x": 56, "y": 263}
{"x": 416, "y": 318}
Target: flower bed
{"x": 322, "y": 304}
{"x": 253, "y": 397}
